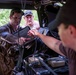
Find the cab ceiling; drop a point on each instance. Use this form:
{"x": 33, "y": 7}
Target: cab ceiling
{"x": 17, "y": 3}
{"x": 24, "y": 4}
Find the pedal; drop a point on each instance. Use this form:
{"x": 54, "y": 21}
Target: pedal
{"x": 33, "y": 60}
{"x": 56, "y": 62}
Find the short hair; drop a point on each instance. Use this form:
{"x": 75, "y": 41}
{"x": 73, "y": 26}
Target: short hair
{"x": 16, "y": 10}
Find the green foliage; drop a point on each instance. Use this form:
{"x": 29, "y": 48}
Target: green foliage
{"x": 4, "y": 16}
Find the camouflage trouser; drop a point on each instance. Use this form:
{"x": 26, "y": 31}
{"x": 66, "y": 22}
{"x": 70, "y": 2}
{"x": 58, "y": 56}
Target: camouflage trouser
{"x": 6, "y": 65}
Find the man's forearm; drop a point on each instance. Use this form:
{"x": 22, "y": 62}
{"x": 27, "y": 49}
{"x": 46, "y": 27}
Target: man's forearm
{"x": 51, "y": 42}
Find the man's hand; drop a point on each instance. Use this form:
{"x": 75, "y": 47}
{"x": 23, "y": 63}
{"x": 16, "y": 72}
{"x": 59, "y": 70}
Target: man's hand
{"x": 33, "y": 32}
{"x": 21, "y": 40}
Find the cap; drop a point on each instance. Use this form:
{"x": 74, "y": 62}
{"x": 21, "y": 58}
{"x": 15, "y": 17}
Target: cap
{"x": 66, "y": 15}
{"x": 28, "y": 12}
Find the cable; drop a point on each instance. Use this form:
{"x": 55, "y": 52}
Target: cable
{"x": 50, "y": 70}
{"x": 35, "y": 48}
{"x": 23, "y": 3}
{"x": 35, "y": 45}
